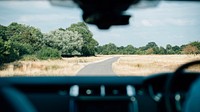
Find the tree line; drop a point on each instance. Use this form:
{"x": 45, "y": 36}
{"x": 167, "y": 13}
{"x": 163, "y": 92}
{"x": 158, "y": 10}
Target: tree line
{"x": 19, "y": 41}
{"x": 149, "y": 48}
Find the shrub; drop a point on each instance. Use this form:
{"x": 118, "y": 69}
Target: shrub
{"x": 10, "y": 52}
{"x": 29, "y": 58}
{"x": 48, "y": 53}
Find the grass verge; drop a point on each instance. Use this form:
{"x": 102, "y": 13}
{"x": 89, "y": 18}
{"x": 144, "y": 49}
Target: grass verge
{"x": 61, "y": 67}
{"x": 132, "y": 65}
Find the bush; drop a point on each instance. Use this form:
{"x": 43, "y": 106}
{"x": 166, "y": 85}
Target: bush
{"x": 10, "y": 52}
{"x": 29, "y": 58}
{"x": 23, "y": 49}
{"x": 48, "y": 53}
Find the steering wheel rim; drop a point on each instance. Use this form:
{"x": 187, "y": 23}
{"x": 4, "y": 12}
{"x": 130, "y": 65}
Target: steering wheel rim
{"x": 171, "y": 79}
{"x": 17, "y": 100}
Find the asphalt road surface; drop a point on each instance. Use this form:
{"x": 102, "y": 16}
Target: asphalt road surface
{"x": 103, "y": 68}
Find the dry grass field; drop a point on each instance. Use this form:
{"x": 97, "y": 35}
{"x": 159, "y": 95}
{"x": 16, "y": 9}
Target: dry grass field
{"x": 65, "y": 66}
{"x": 129, "y": 65}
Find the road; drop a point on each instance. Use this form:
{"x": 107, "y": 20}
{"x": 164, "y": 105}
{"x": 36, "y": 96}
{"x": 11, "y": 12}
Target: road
{"x": 103, "y": 68}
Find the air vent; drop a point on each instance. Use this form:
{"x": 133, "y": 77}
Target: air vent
{"x": 130, "y": 90}
{"x": 115, "y": 90}
{"x": 85, "y": 90}
{"x": 103, "y": 90}
{"x": 74, "y": 90}
{"x": 89, "y": 91}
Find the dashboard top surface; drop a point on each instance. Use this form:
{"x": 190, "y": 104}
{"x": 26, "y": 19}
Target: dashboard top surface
{"x": 73, "y": 80}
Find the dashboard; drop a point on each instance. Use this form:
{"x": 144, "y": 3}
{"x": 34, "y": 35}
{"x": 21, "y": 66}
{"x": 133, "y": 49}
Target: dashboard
{"x": 91, "y": 94}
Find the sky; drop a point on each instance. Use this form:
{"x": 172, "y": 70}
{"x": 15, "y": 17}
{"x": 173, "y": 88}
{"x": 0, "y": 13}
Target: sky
{"x": 174, "y": 23}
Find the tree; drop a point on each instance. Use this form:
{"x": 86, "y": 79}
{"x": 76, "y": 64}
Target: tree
{"x": 149, "y": 51}
{"x": 68, "y": 42}
{"x": 176, "y": 49}
{"x": 189, "y": 49}
{"x": 3, "y": 30}
{"x": 156, "y": 50}
{"x": 109, "y": 49}
{"x": 121, "y": 50}
{"x": 2, "y": 40}
{"x": 195, "y": 43}
{"x": 9, "y": 50}
{"x": 1, "y": 51}
{"x": 140, "y": 51}
{"x": 162, "y": 50}
{"x": 169, "y": 49}
{"x": 129, "y": 49}
{"x": 151, "y": 45}
{"x": 99, "y": 49}
{"x": 89, "y": 43}
{"x": 25, "y": 35}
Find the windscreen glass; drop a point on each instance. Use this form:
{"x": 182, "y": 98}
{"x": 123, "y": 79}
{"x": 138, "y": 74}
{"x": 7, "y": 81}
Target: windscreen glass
{"x": 39, "y": 38}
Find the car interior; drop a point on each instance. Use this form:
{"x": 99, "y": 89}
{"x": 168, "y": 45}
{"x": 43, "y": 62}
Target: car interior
{"x": 162, "y": 92}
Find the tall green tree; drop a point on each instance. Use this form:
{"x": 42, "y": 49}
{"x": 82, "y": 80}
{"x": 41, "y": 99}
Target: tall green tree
{"x": 176, "y": 49}
{"x": 151, "y": 48}
{"x": 2, "y": 40}
{"x": 129, "y": 49}
{"x": 89, "y": 43}
{"x": 121, "y": 50}
{"x": 151, "y": 45}
{"x": 169, "y": 49}
{"x": 109, "y": 49}
{"x": 26, "y": 36}
{"x": 162, "y": 50}
{"x": 10, "y": 49}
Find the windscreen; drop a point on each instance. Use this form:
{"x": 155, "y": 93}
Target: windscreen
{"x": 38, "y": 38}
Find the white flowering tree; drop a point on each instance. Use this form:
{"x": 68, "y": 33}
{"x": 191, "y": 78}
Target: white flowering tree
{"x": 68, "y": 42}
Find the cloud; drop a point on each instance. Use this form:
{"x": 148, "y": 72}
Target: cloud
{"x": 46, "y": 18}
{"x": 152, "y": 22}
{"x": 27, "y": 4}
{"x": 146, "y": 23}
{"x": 181, "y": 22}
{"x": 41, "y": 18}
{"x": 168, "y": 22}
{"x": 114, "y": 34}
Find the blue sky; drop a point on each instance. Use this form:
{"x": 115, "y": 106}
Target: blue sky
{"x": 173, "y": 23}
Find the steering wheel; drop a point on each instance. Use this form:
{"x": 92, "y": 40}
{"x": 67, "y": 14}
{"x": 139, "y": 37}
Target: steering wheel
{"x": 169, "y": 98}
{"x": 18, "y": 101}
